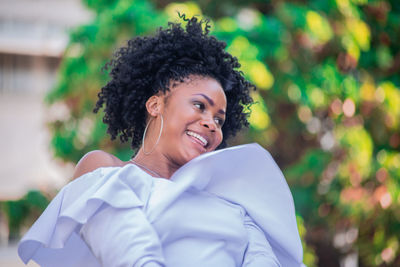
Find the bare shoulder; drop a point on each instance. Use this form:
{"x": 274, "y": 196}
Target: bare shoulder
{"x": 94, "y": 160}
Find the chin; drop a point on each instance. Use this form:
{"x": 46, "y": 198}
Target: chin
{"x": 192, "y": 154}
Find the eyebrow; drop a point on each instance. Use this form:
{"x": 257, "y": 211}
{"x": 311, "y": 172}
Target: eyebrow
{"x": 211, "y": 102}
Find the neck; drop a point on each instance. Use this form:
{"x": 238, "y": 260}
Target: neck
{"x": 157, "y": 163}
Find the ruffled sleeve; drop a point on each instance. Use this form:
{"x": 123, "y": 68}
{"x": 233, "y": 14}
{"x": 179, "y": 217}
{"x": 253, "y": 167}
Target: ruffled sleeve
{"x": 243, "y": 175}
{"x": 55, "y": 240}
{"x": 248, "y": 176}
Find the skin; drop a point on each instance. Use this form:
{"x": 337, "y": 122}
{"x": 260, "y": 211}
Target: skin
{"x": 197, "y": 105}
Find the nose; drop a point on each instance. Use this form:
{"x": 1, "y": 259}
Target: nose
{"x": 208, "y": 123}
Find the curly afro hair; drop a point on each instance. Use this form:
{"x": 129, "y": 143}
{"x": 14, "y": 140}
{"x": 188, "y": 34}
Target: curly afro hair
{"x": 147, "y": 65}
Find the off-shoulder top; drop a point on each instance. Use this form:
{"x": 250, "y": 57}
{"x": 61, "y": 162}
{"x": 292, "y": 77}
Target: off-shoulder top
{"x": 230, "y": 207}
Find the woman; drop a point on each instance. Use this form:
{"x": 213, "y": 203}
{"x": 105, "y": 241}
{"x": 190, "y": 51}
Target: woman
{"x": 178, "y": 96}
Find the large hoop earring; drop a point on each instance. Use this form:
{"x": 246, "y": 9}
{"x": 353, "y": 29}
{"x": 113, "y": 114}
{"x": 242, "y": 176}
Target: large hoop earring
{"x": 158, "y": 139}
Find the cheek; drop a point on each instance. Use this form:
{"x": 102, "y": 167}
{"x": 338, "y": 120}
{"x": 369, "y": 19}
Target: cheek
{"x": 218, "y": 137}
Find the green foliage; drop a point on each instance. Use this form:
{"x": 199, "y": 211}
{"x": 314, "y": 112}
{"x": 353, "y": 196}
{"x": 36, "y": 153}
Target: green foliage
{"x": 80, "y": 75}
{"x": 309, "y": 257}
{"x": 328, "y": 105}
{"x": 23, "y": 211}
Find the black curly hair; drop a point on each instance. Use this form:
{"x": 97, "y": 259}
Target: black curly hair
{"x": 147, "y": 65}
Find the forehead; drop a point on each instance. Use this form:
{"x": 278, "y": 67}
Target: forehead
{"x": 195, "y": 85}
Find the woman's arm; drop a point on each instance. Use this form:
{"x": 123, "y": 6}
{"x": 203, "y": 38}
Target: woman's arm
{"x": 259, "y": 251}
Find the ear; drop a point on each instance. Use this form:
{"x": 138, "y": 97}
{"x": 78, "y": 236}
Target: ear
{"x": 154, "y": 105}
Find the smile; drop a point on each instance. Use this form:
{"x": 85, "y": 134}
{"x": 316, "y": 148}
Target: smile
{"x": 198, "y": 137}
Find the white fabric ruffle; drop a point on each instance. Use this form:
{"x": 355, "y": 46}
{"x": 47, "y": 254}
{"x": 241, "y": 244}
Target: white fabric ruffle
{"x": 244, "y": 175}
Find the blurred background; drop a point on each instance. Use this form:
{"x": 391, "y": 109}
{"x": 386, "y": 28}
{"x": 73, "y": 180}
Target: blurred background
{"x": 327, "y": 107}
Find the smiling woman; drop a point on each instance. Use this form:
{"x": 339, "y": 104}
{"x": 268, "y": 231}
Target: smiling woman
{"x": 181, "y": 200}
{"x": 193, "y": 114}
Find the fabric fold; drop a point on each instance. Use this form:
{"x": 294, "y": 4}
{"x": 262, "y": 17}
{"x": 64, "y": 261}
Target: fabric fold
{"x": 244, "y": 175}
{"x": 248, "y": 176}
{"x": 55, "y": 235}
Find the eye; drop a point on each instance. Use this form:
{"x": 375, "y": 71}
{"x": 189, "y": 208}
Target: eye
{"x": 219, "y": 121}
{"x": 199, "y": 105}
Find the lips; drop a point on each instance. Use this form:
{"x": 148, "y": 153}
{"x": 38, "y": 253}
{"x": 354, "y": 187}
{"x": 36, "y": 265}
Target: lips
{"x": 197, "y": 137}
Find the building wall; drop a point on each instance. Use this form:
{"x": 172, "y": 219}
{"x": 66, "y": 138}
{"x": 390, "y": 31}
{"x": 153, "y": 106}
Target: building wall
{"x": 33, "y": 36}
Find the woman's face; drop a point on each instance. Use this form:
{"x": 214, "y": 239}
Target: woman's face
{"x": 193, "y": 112}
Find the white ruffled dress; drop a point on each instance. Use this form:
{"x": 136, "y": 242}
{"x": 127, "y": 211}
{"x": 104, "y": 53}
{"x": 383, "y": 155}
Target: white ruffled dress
{"x": 231, "y": 207}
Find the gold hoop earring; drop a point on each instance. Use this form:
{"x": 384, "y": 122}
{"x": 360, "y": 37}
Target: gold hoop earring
{"x": 158, "y": 139}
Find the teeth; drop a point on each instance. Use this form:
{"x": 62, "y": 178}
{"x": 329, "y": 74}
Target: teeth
{"x": 199, "y": 137}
